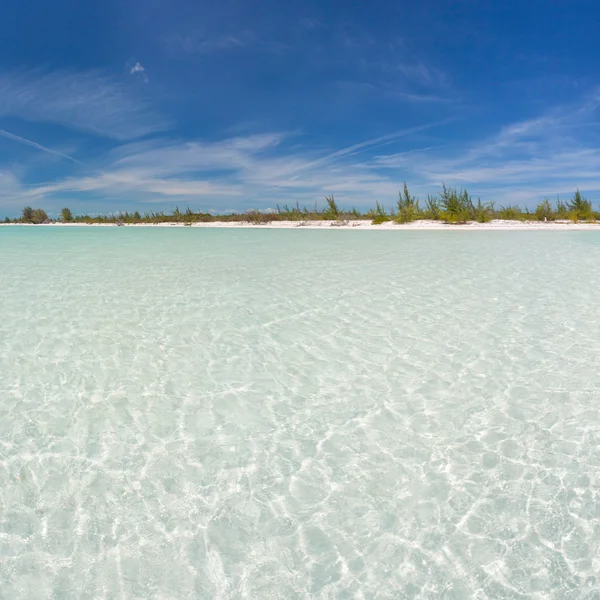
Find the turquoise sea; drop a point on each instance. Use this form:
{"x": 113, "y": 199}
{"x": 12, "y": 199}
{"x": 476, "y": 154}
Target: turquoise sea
{"x": 292, "y": 414}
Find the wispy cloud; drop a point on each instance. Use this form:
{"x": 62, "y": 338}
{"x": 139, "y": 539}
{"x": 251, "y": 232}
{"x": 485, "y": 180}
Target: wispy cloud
{"x": 10, "y": 188}
{"x": 205, "y": 43}
{"x": 549, "y": 154}
{"x": 89, "y": 101}
{"x": 552, "y": 153}
{"x": 139, "y": 71}
{"x": 422, "y": 73}
{"x": 22, "y": 140}
{"x": 257, "y": 170}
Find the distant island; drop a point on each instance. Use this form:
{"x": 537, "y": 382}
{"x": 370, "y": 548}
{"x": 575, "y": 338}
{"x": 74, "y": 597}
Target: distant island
{"x": 452, "y": 206}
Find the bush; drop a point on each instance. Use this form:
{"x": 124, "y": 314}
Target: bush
{"x": 544, "y": 211}
{"x": 256, "y": 217}
{"x": 456, "y": 206}
{"x": 510, "y": 213}
{"x": 379, "y": 219}
{"x": 432, "y": 209}
{"x": 482, "y": 213}
{"x": 332, "y": 211}
{"x": 33, "y": 215}
{"x": 580, "y": 208}
{"x": 408, "y": 207}
{"x": 378, "y": 215}
{"x": 66, "y": 215}
{"x": 27, "y": 216}
{"x": 562, "y": 210}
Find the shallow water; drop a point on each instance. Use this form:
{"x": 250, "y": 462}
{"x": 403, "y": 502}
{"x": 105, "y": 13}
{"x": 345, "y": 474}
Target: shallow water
{"x": 299, "y": 414}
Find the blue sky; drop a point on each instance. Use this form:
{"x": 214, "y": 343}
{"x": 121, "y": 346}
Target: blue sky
{"x": 233, "y": 105}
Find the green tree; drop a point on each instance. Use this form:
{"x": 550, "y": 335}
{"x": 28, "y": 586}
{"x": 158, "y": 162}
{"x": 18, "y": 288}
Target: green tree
{"x": 332, "y": 211}
{"x": 27, "y": 216}
{"x": 544, "y": 211}
{"x": 457, "y": 207}
{"x": 66, "y": 215}
{"x": 408, "y": 206}
{"x": 580, "y": 207}
{"x": 482, "y": 213}
{"x": 510, "y": 213}
{"x": 432, "y": 208}
{"x": 39, "y": 216}
{"x": 379, "y": 215}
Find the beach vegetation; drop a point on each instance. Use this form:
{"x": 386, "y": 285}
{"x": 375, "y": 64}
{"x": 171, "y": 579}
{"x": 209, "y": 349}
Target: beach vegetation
{"x": 34, "y": 216}
{"x": 562, "y": 210}
{"x": 456, "y": 205}
{"x": 378, "y": 215}
{"x": 482, "y": 212}
{"x": 580, "y": 208}
{"x": 510, "y": 213}
{"x": 432, "y": 208}
{"x": 544, "y": 211}
{"x": 408, "y": 207}
{"x": 379, "y": 219}
{"x": 332, "y": 211}
{"x": 452, "y": 205}
{"x": 27, "y": 215}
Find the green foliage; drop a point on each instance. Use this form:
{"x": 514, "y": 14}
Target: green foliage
{"x": 544, "y": 211}
{"x": 452, "y": 205}
{"x": 256, "y": 217}
{"x": 408, "y": 207}
{"x": 456, "y": 206}
{"x": 6, "y": 220}
{"x": 332, "y": 211}
{"x": 432, "y": 209}
{"x": 27, "y": 215}
{"x": 39, "y": 216}
{"x": 379, "y": 219}
{"x": 510, "y": 213}
{"x": 378, "y": 215}
{"x": 482, "y": 213}
{"x": 562, "y": 210}
{"x": 33, "y": 215}
{"x": 580, "y": 207}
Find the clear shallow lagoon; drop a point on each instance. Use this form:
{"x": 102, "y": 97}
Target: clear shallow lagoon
{"x": 292, "y": 414}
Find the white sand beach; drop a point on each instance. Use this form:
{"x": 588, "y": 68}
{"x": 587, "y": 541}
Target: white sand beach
{"x": 496, "y": 225}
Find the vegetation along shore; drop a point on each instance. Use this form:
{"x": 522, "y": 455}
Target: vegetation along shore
{"x": 451, "y": 206}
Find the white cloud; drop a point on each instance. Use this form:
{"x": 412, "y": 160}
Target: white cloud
{"x": 137, "y": 68}
{"x": 523, "y": 162}
{"x": 22, "y": 140}
{"x": 139, "y": 71}
{"x": 256, "y": 169}
{"x": 89, "y": 101}
{"x": 10, "y": 187}
{"x": 204, "y": 43}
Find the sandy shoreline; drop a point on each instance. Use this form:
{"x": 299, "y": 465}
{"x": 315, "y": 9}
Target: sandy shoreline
{"x": 497, "y": 225}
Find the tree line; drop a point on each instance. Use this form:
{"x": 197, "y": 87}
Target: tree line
{"x": 451, "y": 205}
